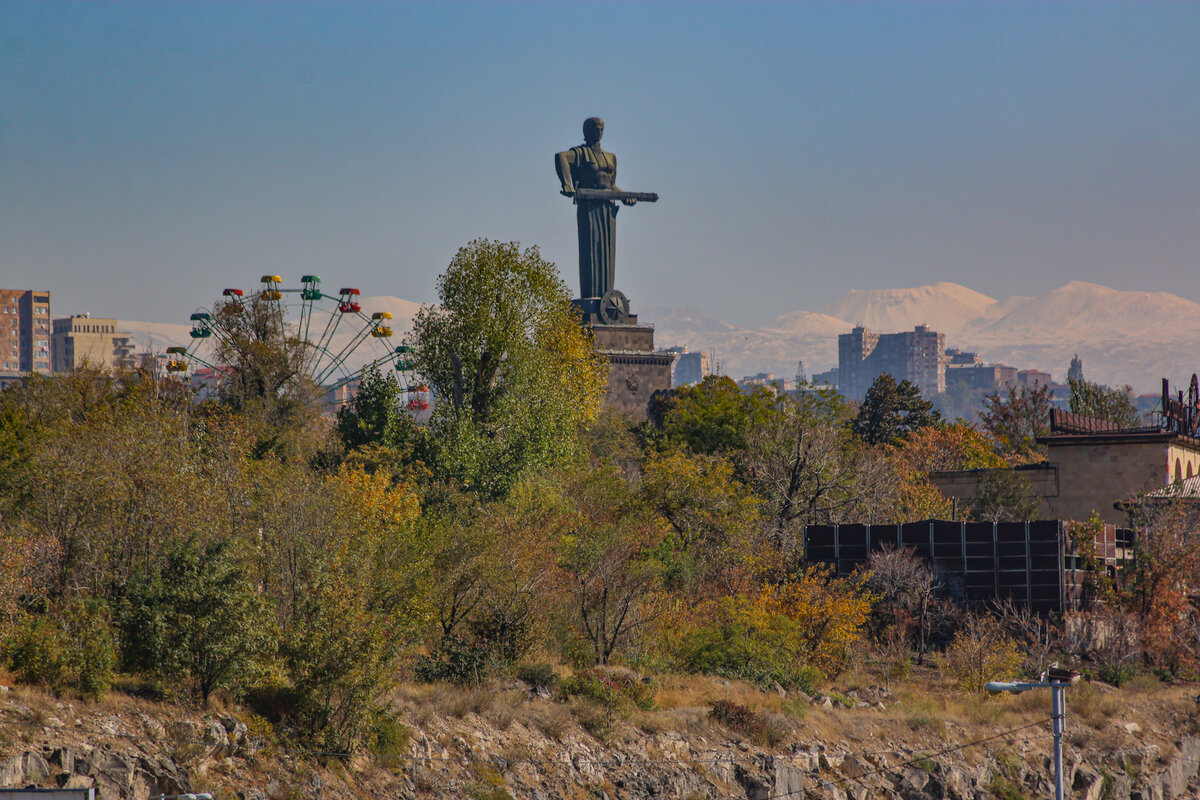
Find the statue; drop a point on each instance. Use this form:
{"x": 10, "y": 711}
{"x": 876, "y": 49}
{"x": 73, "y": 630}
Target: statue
{"x": 588, "y": 174}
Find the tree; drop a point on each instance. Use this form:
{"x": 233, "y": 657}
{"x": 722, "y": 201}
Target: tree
{"x": 713, "y": 518}
{"x": 715, "y": 417}
{"x": 607, "y": 561}
{"x": 950, "y": 447}
{"x": 890, "y": 411}
{"x": 376, "y": 414}
{"x": 197, "y": 623}
{"x": 514, "y": 372}
{"x": 1004, "y": 495}
{"x": 264, "y": 369}
{"x": 981, "y": 651}
{"x": 1016, "y": 421}
{"x": 1101, "y": 402}
{"x": 907, "y": 606}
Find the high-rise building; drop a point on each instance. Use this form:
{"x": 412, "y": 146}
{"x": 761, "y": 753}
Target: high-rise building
{"x": 918, "y": 356}
{"x": 24, "y": 333}
{"x": 83, "y": 340}
{"x": 688, "y": 367}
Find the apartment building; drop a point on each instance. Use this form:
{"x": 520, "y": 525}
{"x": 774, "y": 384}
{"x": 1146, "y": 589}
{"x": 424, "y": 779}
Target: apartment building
{"x": 24, "y": 333}
{"x": 918, "y": 356}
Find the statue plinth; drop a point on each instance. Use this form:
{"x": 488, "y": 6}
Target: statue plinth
{"x": 635, "y": 370}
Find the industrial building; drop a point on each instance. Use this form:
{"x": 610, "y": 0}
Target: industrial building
{"x": 83, "y": 340}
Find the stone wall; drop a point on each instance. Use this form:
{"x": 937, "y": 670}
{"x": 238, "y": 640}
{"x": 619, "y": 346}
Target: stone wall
{"x": 1092, "y": 477}
{"x": 635, "y": 371}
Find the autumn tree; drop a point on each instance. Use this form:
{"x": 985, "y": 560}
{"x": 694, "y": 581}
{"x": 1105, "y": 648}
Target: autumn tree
{"x": 1100, "y": 402}
{"x": 1003, "y": 495}
{"x": 607, "y": 561}
{"x": 890, "y": 411}
{"x": 792, "y": 632}
{"x": 713, "y": 540}
{"x": 514, "y": 372}
{"x": 1017, "y": 420}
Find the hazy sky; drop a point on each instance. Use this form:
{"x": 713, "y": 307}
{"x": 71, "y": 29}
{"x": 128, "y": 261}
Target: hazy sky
{"x": 153, "y": 153}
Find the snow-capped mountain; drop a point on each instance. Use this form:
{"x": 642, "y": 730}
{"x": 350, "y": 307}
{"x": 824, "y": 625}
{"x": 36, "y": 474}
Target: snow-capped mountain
{"x": 1122, "y": 337}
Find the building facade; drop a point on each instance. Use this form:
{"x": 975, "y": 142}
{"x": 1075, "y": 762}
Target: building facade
{"x": 24, "y": 333}
{"x": 689, "y": 367}
{"x": 83, "y": 340}
{"x": 918, "y": 356}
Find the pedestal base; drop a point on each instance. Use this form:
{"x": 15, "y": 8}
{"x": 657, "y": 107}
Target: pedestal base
{"x": 635, "y": 371}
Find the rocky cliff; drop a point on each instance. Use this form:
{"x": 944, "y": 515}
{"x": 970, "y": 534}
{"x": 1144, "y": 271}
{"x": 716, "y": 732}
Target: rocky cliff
{"x": 511, "y": 741}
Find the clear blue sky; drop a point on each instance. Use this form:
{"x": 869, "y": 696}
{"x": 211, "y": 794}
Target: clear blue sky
{"x": 153, "y": 153}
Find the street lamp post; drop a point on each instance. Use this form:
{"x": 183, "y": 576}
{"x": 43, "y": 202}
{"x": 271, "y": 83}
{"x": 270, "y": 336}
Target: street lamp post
{"x": 1056, "y": 681}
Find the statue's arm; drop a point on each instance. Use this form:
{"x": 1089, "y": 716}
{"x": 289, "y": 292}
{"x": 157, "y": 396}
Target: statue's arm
{"x": 562, "y": 165}
{"x": 616, "y": 188}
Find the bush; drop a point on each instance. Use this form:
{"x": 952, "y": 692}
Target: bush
{"x": 736, "y": 717}
{"x": 611, "y": 688}
{"x": 794, "y": 634}
{"x": 36, "y": 653}
{"x": 70, "y": 648}
{"x": 92, "y": 648}
{"x": 539, "y": 675}
{"x": 457, "y": 660}
{"x": 981, "y": 651}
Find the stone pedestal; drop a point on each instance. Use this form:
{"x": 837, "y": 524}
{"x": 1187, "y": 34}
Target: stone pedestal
{"x": 635, "y": 371}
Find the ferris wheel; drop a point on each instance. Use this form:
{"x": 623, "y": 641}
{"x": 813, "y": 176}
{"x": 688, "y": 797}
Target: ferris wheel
{"x": 326, "y": 339}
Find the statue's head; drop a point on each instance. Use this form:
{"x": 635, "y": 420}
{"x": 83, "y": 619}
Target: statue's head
{"x": 593, "y": 129}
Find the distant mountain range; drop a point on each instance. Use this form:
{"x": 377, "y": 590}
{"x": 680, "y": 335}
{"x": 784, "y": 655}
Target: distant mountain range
{"x": 1122, "y": 337}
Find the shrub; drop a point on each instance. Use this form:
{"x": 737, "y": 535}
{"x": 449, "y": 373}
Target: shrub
{"x": 794, "y": 633}
{"x": 736, "y": 717}
{"x": 457, "y": 660}
{"x": 388, "y": 739}
{"x": 70, "y": 648}
{"x": 92, "y": 649}
{"x": 611, "y": 688}
{"x": 980, "y": 652}
{"x": 539, "y": 675}
{"x": 36, "y": 653}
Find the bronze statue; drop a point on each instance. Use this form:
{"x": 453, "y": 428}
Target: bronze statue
{"x": 588, "y": 174}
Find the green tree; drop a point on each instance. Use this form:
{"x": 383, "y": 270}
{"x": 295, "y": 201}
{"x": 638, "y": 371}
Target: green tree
{"x": 376, "y": 415}
{"x": 514, "y": 372}
{"x": 1100, "y": 402}
{"x": 890, "y": 411}
{"x": 197, "y": 623}
{"x": 1017, "y": 420}
{"x": 714, "y": 417}
{"x": 1004, "y": 495}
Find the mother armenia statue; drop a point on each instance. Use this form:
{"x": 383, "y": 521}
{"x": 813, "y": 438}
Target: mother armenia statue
{"x": 588, "y": 174}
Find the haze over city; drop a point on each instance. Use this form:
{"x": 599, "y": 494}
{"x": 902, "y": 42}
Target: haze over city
{"x": 152, "y": 154}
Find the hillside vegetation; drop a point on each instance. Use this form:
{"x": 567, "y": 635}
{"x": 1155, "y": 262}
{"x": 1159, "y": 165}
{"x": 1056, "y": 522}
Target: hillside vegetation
{"x": 253, "y": 550}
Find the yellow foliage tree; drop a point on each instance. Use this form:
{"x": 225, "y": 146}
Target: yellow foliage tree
{"x": 782, "y": 632}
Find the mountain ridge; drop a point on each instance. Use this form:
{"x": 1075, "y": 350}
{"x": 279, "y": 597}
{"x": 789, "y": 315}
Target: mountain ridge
{"x": 1123, "y": 337}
